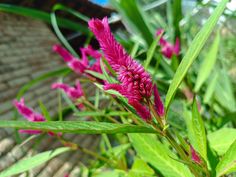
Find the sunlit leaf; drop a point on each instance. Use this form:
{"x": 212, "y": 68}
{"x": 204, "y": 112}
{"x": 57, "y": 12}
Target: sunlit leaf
{"x": 193, "y": 51}
{"x": 228, "y": 162}
{"x": 32, "y": 162}
{"x": 208, "y": 63}
{"x": 82, "y": 127}
{"x": 221, "y": 139}
{"x": 199, "y": 131}
{"x": 157, "y": 155}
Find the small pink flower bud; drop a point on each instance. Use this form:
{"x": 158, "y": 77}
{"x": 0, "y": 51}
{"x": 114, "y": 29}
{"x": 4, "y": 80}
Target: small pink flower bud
{"x": 195, "y": 157}
{"x": 158, "y": 103}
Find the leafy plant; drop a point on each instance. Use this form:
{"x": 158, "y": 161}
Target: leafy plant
{"x": 192, "y": 134}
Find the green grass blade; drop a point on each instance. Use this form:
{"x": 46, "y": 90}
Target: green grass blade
{"x": 71, "y": 11}
{"x": 108, "y": 78}
{"x": 211, "y": 88}
{"x": 193, "y": 51}
{"x": 32, "y": 162}
{"x": 151, "y": 51}
{"x": 208, "y": 63}
{"x": 60, "y": 35}
{"x": 44, "y": 16}
{"x": 82, "y": 127}
{"x": 134, "y": 17}
{"x": 96, "y": 74}
{"x": 44, "y": 111}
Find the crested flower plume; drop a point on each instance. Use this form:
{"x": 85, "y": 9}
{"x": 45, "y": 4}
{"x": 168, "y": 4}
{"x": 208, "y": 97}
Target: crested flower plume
{"x": 167, "y": 49}
{"x": 77, "y": 65}
{"x": 135, "y": 83}
{"x": 29, "y": 114}
{"x": 73, "y": 93}
{"x": 158, "y": 103}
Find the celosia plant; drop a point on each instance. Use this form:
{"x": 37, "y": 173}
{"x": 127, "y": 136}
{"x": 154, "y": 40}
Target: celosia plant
{"x": 153, "y": 138}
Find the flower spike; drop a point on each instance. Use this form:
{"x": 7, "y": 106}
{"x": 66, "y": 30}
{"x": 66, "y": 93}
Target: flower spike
{"x": 29, "y": 114}
{"x": 135, "y": 82}
{"x": 167, "y": 49}
{"x": 77, "y": 65}
{"x": 73, "y": 93}
{"x": 158, "y": 103}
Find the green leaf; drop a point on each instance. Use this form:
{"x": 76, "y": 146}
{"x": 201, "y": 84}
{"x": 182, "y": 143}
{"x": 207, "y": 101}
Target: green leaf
{"x": 113, "y": 92}
{"x": 221, "y": 139}
{"x": 102, "y": 113}
{"x": 108, "y": 78}
{"x": 228, "y": 163}
{"x": 199, "y": 132}
{"x": 96, "y": 74}
{"x": 134, "y": 17}
{"x": 211, "y": 88}
{"x": 193, "y": 51}
{"x": 208, "y": 63}
{"x": 71, "y": 11}
{"x": 151, "y": 51}
{"x": 177, "y": 16}
{"x": 32, "y": 162}
{"x": 140, "y": 169}
{"x": 44, "y": 111}
{"x": 58, "y": 72}
{"x": 82, "y": 127}
{"x": 187, "y": 115}
{"x": 60, "y": 35}
{"x": 44, "y": 16}
{"x": 157, "y": 155}
{"x": 224, "y": 92}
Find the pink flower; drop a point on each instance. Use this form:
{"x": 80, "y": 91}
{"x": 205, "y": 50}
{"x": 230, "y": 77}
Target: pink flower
{"x": 195, "y": 157}
{"x": 135, "y": 82}
{"x": 77, "y": 65}
{"x": 158, "y": 103}
{"x": 29, "y": 114}
{"x": 167, "y": 49}
{"x": 73, "y": 93}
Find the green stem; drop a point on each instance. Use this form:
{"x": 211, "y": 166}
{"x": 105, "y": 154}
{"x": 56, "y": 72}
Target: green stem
{"x": 91, "y": 106}
{"x": 94, "y": 154}
{"x": 180, "y": 151}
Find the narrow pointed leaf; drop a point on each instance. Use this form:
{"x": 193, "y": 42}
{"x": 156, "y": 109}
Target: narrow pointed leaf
{"x": 151, "y": 51}
{"x": 193, "y": 51}
{"x": 199, "y": 132}
{"x": 44, "y": 16}
{"x": 208, "y": 63}
{"x": 210, "y": 88}
{"x": 32, "y": 162}
{"x": 82, "y": 127}
{"x": 44, "y": 111}
{"x": 134, "y": 17}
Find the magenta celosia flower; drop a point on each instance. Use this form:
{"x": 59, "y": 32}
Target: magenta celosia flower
{"x": 135, "y": 82}
{"x": 73, "y": 93}
{"x": 29, "y": 114}
{"x": 167, "y": 49}
{"x": 195, "y": 157}
{"x": 158, "y": 103}
{"x": 77, "y": 65}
